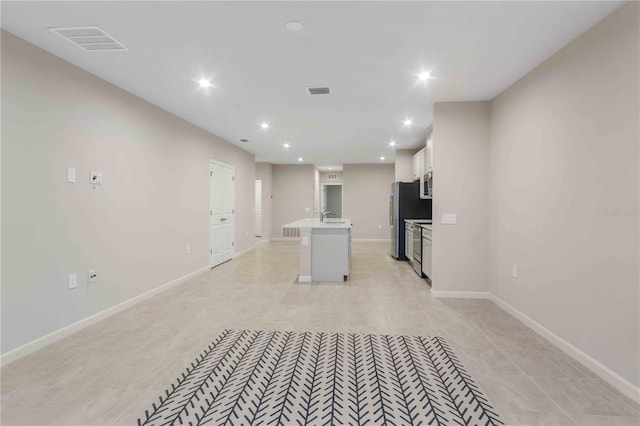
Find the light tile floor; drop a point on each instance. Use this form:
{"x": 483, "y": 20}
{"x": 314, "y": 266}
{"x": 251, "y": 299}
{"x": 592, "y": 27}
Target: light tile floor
{"x": 110, "y": 372}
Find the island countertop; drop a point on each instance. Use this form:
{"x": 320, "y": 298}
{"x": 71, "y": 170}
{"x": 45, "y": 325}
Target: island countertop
{"x": 314, "y": 222}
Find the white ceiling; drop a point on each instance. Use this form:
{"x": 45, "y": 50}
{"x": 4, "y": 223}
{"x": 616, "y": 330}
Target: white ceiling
{"x": 368, "y": 53}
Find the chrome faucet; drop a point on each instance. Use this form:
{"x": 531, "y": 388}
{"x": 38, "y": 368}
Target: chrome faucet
{"x": 325, "y": 214}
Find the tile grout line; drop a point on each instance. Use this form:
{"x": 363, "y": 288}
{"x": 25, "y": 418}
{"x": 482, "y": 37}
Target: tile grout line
{"x": 504, "y": 352}
{"x": 538, "y": 386}
{"x": 553, "y": 349}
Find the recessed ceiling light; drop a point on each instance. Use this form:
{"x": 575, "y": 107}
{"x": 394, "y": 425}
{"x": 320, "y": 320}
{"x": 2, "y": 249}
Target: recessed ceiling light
{"x": 299, "y": 158}
{"x": 392, "y": 143}
{"x": 330, "y": 168}
{"x": 286, "y": 145}
{"x": 424, "y": 76}
{"x": 381, "y": 158}
{"x": 264, "y": 125}
{"x": 294, "y": 26}
{"x": 204, "y": 83}
{"x": 407, "y": 122}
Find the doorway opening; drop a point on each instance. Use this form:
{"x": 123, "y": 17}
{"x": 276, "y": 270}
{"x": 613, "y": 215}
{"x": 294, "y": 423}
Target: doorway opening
{"x": 332, "y": 199}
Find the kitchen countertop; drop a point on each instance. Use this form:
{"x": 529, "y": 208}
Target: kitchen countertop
{"x": 419, "y": 221}
{"x": 314, "y": 222}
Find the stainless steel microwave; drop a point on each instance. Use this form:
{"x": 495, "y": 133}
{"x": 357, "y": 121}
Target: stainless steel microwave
{"x": 428, "y": 184}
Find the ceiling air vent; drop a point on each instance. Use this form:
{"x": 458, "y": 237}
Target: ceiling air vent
{"x": 244, "y": 140}
{"x": 319, "y": 90}
{"x": 92, "y": 39}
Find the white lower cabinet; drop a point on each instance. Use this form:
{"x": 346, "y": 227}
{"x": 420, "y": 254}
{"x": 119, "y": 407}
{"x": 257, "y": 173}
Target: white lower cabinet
{"x": 426, "y": 253}
{"x": 349, "y": 260}
{"x": 408, "y": 244}
{"x": 330, "y": 254}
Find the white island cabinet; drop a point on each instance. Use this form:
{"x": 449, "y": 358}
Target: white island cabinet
{"x": 325, "y": 249}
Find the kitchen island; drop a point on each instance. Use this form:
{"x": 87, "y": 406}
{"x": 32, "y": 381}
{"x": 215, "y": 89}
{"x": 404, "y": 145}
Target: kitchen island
{"x": 325, "y": 249}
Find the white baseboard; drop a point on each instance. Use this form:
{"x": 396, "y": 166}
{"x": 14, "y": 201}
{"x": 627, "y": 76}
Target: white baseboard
{"x": 461, "y": 294}
{"x": 54, "y": 336}
{"x": 359, "y": 240}
{"x": 611, "y": 377}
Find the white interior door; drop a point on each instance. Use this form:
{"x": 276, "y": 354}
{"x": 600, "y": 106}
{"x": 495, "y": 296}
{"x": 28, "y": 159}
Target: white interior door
{"x": 258, "y": 204}
{"x": 221, "y": 213}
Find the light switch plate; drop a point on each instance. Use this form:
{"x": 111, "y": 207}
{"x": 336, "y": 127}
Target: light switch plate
{"x": 71, "y": 175}
{"x": 449, "y": 219}
{"x": 305, "y": 241}
{"x": 73, "y": 280}
{"x": 307, "y": 209}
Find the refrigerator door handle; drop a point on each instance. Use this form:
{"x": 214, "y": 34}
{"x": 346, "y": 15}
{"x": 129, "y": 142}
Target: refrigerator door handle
{"x": 391, "y": 210}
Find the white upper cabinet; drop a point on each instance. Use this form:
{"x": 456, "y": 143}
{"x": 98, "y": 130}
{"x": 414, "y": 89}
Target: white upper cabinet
{"x": 417, "y": 165}
{"x": 427, "y": 163}
{"x": 428, "y": 152}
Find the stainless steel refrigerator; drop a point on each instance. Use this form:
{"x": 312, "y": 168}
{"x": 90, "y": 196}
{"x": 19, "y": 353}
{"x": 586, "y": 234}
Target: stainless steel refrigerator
{"x": 405, "y": 203}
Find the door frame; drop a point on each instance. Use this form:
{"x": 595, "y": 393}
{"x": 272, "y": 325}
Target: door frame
{"x": 233, "y": 170}
{"x": 322, "y": 192}
{"x": 255, "y": 196}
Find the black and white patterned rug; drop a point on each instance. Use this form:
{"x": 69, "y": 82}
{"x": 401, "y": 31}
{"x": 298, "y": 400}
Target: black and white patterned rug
{"x": 294, "y": 378}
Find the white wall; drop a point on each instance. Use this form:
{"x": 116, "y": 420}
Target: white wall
{"x": 460, "y": 180}
{"x": 324, "y": 177}
{"x": 133, "y": 229}
{"x": 366, "y": 189}
{"x": 264, "y": 172}
{"x": 564, "y": 156}
{"x": 293, "y": 195}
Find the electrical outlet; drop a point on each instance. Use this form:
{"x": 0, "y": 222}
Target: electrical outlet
{"x": 91, "y": 276}
{"x": 514, "y": 271}
{"x": 188, "y": 248}
{"x": 95, "y": 178}
{"x": 73, "y": 280}
{"x": 379, "y": 226}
